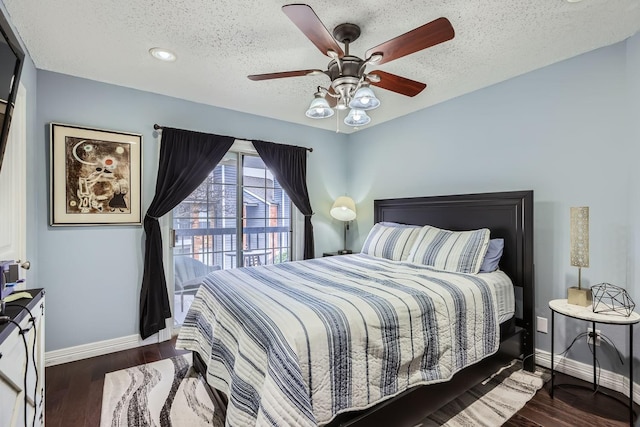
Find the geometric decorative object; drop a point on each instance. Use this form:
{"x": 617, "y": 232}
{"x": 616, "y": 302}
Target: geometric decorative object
{"x": 608, "y": 298}
{"x": 579, "y": 254}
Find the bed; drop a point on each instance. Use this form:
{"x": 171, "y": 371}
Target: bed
{"x": 330, "y": 341}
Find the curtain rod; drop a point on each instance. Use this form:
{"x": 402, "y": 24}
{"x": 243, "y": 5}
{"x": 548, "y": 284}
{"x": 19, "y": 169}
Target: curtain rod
{"x": 158, "y": 127}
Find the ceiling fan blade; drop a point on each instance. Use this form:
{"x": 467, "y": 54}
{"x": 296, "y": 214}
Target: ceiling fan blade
{"x": 431, "y": 34}
{"x": 269, "y": 76}
{"x": 395, "y": 83}
{"x": 306, "y": 19}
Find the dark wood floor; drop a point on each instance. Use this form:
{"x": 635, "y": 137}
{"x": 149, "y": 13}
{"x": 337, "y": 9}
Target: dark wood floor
{"x": 73, "y": 391}
{"x": 74, "y": 395}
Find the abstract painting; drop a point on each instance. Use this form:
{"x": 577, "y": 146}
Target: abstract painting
{"x": 95, "y": 176}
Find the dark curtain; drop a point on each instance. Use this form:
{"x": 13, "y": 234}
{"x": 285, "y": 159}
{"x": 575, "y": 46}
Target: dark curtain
{"x": 289, "y": 165}
{"x": 186, "y": 158}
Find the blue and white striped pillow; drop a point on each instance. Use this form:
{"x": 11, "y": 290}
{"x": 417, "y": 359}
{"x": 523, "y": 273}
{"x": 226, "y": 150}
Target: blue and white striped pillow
{"x": 457, "y": 251}
{"x": 390, "y": 241}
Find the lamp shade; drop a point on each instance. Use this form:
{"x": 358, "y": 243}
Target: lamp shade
{"x": 319, "y": 108}
{"x": 344, "y": 209}
{"x": 580, "y": 236}
{"x": 364, "y": 99}
{"x": 357, "y": 117}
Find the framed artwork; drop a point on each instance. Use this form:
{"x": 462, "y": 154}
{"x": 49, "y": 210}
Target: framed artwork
{"x": 95, "y": 176}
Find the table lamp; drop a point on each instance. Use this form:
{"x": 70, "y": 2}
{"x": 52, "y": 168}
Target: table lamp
{"x": 579, "y": 254}
{"x": 344, "y": 209}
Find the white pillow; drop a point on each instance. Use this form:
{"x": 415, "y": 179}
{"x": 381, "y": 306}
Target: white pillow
{"x": 457, "y": 251}
{"x": 390, "y": 241}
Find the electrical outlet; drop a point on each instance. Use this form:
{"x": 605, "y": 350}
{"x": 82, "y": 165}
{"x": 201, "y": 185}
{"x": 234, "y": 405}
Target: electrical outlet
{"x": 541, "y": 324}
{"x": 590, "y": 335}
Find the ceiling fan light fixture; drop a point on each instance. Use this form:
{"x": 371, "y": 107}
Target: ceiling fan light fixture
{"x": 364, "y": 99}
{"x": 319, "y": 108}
{"x": 357, "y": 117}
{"x": 162, "y": 54}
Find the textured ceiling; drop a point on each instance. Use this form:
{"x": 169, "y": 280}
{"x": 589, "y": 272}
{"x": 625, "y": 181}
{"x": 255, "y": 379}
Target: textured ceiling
{"x": 220, "y": 42}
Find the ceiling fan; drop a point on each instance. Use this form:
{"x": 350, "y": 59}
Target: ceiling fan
{"x": 349, "y": 81}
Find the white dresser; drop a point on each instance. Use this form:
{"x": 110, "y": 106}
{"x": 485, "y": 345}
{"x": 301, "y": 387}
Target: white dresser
{"x": 22, "y": 377}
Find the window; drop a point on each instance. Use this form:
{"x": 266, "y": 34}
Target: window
{"x": 233, "y": 220}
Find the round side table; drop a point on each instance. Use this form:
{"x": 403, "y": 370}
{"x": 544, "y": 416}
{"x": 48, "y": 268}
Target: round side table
{"x": 561, "y": 306}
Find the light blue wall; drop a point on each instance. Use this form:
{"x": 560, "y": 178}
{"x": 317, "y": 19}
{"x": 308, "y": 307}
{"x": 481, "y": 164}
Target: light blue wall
{"x": 565, "y": 131}
{"x": 633, "y": 82}
{"x": 633, "y": 257}
{"x": 93, "y": 274}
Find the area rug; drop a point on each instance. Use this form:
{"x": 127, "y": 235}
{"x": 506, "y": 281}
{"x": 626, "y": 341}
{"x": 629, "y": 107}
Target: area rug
{"x": 492, "y": 402}
{"x": 159, "y": 394}
{"x": 170, "y": 393}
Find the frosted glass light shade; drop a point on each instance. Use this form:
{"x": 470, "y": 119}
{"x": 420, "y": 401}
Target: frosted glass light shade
{"x": 357, "y": 117}
{"x": 344, "y": 209}
{"x": 364, "y": 99}
{"x": 580, "y": 236}
{"x": 319, "y": 108}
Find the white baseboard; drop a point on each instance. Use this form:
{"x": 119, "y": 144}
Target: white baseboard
{"x": 583, "y": 371}
{"x": 85, "y": 351}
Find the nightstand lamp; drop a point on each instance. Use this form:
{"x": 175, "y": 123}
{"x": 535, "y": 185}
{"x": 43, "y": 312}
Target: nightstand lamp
{"x": 344, "y": 209}
{"x": 579, "y": 254}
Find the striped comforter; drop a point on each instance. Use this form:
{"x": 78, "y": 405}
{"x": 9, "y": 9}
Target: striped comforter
{"x": 297, "y": 343}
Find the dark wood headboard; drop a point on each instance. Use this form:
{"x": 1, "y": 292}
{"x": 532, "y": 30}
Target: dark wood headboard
{"x": 509, "y": 215}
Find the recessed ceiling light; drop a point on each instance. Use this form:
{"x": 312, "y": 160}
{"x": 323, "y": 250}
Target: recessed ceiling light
{"x": 574, "y": 1}
{"x": 162, "y": 54}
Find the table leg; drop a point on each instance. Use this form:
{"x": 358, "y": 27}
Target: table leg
{"x": 593, "y": 342}
{"x": 631, "y": 374}
{"x": 552, "y": 336}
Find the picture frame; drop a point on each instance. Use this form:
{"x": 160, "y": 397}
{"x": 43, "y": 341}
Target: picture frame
{"x": 95, "y": 176}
